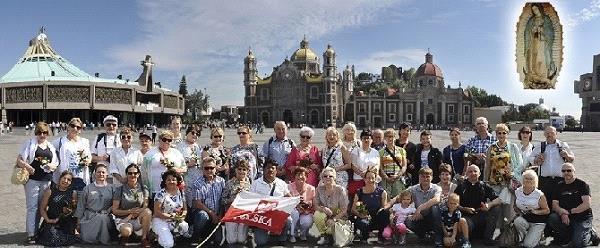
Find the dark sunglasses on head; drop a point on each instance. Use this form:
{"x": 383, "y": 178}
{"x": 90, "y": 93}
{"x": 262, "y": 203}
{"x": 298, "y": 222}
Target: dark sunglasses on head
{"x": 132, "y": 173}
{"x": 567, "y": 170}
{"x": 75, "y": 126}
{"x": 166, "y": 140}
{"x": 42, "y": 132}
{"x": 110, "y": 124}
{"x": 305, "y": 136}
{"x": 209, "y": 168}
{"x": 240, "y": 133}
{"x": 217, "y": 136}
{"x": 126, "y": 137}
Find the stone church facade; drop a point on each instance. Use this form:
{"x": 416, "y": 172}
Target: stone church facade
{"x": 302, "y": 91}
{"x": 588, "y": 88}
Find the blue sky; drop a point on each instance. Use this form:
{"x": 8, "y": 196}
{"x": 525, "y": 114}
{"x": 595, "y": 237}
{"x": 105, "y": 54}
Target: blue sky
{"x": 473, "y": 41}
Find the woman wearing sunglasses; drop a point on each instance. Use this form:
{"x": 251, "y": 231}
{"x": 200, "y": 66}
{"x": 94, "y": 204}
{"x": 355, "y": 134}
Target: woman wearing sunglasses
{"x": 218, "y": 152}
{"x": 160, "y": 159}
{"x": 38, "y": 157}
{"x": 525, "y": 146}
{"x": 503, "y": 168}
{"x": 305, "y": 155}
{"x": 191, "y": 153}
{"x": 74, "y": 155}
{"x": 130, "y": 207}
{"x": 248, "y": 151}
{"x": 123, "y": 156}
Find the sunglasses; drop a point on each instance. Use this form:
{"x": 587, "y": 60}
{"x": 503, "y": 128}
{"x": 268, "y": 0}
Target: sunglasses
{"x": 110, "y": 124}
{"x": 217, "y": 136}
{"x": 209, "y": 168}
{"x": 527, "y": 132}
{"x": 327, "y": 176}
{"x": 42, "y": 132}
{"x": 568, "y": 170}
{"x": 126, "y": 137}
{"x": 242, "y": 133}
{"x": 75, "y": 126}
{"x": 132, "y": 173}
{"x": 305, "y": 136}
{"x": 501, "y": 133}
{"x": 166, "y": 140}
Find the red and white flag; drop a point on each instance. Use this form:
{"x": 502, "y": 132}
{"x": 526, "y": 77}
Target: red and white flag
{"x": 265, "y": 212}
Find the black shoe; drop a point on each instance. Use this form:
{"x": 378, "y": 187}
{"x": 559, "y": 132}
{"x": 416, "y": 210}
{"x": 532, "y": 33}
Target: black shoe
{"x": 594, "y": 239}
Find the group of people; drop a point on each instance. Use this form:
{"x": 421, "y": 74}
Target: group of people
{"x": 97, "y": 191}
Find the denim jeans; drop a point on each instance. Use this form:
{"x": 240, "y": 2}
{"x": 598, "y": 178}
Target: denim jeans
{"x": 578, "y": 232}
{"x": 34, "y": 191}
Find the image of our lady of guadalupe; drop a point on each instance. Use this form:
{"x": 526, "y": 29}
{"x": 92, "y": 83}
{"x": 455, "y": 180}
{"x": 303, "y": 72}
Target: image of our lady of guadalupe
{"x": 539, "y": 46}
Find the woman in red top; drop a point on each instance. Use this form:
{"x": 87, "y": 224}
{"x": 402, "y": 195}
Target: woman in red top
{"x": 305, "y": 155}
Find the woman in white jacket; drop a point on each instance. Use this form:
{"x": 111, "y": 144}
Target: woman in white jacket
{"x": 73, "y": 152}
{"x": 39, "y": 158}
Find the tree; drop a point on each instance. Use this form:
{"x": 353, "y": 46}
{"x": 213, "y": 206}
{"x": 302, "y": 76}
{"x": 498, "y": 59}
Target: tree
{"x": 482, "y": 99}
{"x": 196, "y": 103}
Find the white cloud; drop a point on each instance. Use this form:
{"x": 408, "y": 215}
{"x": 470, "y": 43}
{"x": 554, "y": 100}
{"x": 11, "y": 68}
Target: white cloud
{"x": 585, "y": 15}
{"x": 208, "y": 39}
{"x": 405, "y": 58}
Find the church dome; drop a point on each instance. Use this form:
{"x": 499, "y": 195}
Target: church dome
{"x": 304, "y": 52}
{"x": 429, "y": 68}
{"x": 329, "y": 51}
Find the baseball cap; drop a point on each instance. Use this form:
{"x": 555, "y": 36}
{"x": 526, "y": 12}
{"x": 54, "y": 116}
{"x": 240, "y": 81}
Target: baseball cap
{"x": 110, "y": 118}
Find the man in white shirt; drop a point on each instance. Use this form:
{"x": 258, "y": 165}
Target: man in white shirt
{"x": 549, "y": 157}
{"x": 105, "y": 143}
{"x": 270, "y": 185}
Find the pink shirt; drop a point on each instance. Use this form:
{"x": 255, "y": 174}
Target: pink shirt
{"x": 312, "y": 175}
{"x": 307, "y": 193}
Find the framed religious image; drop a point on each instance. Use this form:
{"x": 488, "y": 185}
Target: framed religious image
{"x": 539, "y": 51}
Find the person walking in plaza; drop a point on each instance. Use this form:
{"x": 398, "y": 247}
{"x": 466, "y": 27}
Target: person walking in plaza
{"x": 218, "y": 152}
{"x": 411, "y": 150}
{"x": 336, "y": 156}
{"x": 206, "y": 197}
{"x": 363, "y": 158}
{"x": 525, "y": 145}
{"x": 503, "y": 169}
{"x": 478, "y": 203}
{"x": 393, "y": 165}
{"x": 236, "y": 232}
{"x": 368, "y": 208}
{"x": 159, "y": 159}
{"x": 428, "y": 156}
{"x": 130, "y": 207}
{"x": 572, "y": 216}
{"x": 454, "y": 154}
{"x": 331, "y": 204}
{"x": 302, "y": 215}
{"x": 549, "y": 157}
{"x": 248, "y": 151}
{"x": 278, "y": 147}
{"x": 154, "y": 133}
{"x": 192, "y": 155}
{"x": 122, "y": 157}
{"x": 56, "y": 208}
{"x": 478, "y": 145}
{"x": 105, "y": 143}
{"x": 532, "y": 210}
{"x": 94, "y": 209}
{"x": 305, "y": 155}
{"x": 39, "y": 158}
{"x": 74, "y": 155}
{"x": 170, "y": 209}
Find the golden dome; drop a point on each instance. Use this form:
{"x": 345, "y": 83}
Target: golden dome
{"x": 304, "y": 54}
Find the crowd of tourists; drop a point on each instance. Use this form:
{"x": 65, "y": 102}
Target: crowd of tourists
{"x": 106, "y": 190}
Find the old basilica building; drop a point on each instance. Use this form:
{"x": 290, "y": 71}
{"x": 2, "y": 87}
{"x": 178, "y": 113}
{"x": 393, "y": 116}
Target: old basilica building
{"x": 301, "y": 90}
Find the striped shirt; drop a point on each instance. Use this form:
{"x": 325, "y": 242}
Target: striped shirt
{"x": 209, "y": 192}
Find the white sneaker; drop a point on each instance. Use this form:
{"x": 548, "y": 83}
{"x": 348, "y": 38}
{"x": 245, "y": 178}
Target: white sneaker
{"x": 292, "y": 239}
{"x": 321, "y": 241}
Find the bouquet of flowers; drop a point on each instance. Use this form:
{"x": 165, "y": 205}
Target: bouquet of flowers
{"x": 306, "y": 162}
{"x": 68, "y": 210}
{"x": 45, "y": 164}
{"x": 167, "y": 163}
{"x": 193, "y": 156}
{"x": 83, "y": 158}
{"x": 362, "y": 210}
{"x": 502, "y": 171}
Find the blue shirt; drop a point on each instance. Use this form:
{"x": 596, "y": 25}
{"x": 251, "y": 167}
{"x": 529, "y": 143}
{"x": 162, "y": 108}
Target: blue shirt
{"x": 209, "y": 192}
{"x": 477, "y": 145}
{"x": 277, "y": 150}
{"x": 455, "y": 158}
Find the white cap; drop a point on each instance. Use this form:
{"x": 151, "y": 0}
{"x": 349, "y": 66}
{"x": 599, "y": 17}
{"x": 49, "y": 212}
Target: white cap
{"x": 110, "y": 118}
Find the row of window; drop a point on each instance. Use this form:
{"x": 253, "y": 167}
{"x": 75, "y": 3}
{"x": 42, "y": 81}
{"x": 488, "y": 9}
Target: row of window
{"x": 408, "y": 118}
{"x": 450, "y": 108}
{"x": 314, "y": 93}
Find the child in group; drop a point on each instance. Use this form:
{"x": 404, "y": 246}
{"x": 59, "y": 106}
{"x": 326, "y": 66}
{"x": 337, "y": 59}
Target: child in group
{"x": 403, "y": 208}
{"x": 453, "y": 223}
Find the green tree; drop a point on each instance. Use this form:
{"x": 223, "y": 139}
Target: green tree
{"x": 483, "y": 99}
{"x": 196, "y": 103}
{"x": 571, "y": 123}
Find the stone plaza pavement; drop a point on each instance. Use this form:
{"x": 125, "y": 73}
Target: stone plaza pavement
{"x": 12, "y": 198}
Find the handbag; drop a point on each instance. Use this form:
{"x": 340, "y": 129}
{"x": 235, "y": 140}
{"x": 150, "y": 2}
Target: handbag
{"x": 509, "y": 236}
{"x": 343, "y": 233}
{"x": 19, "y": 176}
{"x": 314, "y": 231}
